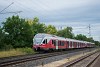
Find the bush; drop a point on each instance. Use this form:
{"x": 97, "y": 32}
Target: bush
{"x": 6, "y": 47}
{"x": 15, "y": 52}
{"x": 26, "y": 50}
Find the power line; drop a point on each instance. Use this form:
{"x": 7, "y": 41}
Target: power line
{"x": 12, "y": 12}
{"x": 1, "y": 12}
{"x": 6, "y": 7}
{"x": 26, "y": 7}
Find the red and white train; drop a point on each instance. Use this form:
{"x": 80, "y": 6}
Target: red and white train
{"x": 44, "y": 41}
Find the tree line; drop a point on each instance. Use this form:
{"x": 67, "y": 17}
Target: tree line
{"x": 17, "y": 32}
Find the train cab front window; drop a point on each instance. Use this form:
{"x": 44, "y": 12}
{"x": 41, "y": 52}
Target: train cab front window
{"x": 45, "y": 41}
{"x": 37, "y": 41}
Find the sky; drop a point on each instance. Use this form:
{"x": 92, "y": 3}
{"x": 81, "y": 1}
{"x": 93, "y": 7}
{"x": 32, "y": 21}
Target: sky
{"x": 77, "y": 14}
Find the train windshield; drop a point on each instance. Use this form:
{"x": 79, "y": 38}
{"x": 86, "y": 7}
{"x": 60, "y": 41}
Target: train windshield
{"x": 38, "y": 39}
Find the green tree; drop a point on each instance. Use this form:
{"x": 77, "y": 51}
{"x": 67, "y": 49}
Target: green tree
{"x": 66, "y": 32}
{"x": 4, "y": 41}
{"x": 97, "y": 43}
{"x": 84, "y": 38}
{"x": 90, "y": 39}
{"x": 81, "y": 37}
{"x": 51, "y": 30}
{"x": 19, "y": 31}
{"x": 1, "y": 39}
{"x": 37, "y": 27}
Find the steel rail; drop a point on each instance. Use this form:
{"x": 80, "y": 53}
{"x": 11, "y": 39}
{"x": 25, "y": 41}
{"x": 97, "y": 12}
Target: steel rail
{"x": 41, "y": 56}
{"x": 89, "y": 64}
{"x": 69, "y": 64}
{"x": 30, "y": 59}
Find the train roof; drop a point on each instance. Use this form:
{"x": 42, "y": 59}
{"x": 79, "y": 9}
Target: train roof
{"x": 58, "y": 38}
{"x": 68, "y": 39}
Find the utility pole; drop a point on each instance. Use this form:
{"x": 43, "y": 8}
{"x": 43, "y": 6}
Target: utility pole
{"x": 61, "y": 28}
{"x": 89, "y": 30}
{"x": 99, "y": 38}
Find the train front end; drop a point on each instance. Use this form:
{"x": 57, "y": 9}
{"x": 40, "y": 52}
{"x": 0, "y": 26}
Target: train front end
{"x": 40, "y": 42}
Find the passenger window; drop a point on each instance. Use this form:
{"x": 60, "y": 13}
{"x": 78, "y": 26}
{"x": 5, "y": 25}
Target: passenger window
{"x": 68, "y": 42}
{"x": 63, "y": 43}
{"x": 59, "y": 43}
{"x": 52, "y": 42}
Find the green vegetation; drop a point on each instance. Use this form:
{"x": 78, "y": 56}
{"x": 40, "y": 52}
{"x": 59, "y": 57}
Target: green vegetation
{"x": 17, "y": 32}
{"x": 26, "y": 50}
{"x": 84, "y": 38}
{"x": 66, "y": 32}
{"x": 16, "y": 52}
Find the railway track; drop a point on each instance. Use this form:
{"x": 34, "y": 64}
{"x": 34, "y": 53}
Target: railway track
{"x": 36, "y": 57}
{"x": 84, "y": 61}
{"x": 30, "y": 58}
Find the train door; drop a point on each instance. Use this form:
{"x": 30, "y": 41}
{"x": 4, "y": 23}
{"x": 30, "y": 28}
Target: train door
{"x": 77, "y": 44}
{"x": 69, "y": 44}
{"x": 57, "y": 44}
{"x": 72, "y": 44}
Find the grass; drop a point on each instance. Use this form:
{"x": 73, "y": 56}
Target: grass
{"x": 16, "y": 52}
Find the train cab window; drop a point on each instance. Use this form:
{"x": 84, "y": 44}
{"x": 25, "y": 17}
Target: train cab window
{"x": 45, "y": 41}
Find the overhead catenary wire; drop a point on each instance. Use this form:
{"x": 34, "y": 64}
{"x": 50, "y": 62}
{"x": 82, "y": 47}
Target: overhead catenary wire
{"x": 6, "y": 7}
{"x": 11, "y": 12}
{"x": 60, "y": 27}
{"x": 29, "y": 8}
